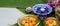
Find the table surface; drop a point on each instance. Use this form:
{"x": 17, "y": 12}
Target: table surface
{"x": 9, "y": 16}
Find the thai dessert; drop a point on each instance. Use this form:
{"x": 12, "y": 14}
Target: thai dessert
{"x": 28, "y": 20}
{"x": 51, "y": 21}
{"x": 29, "y": 9}
{"x": 57, "y": 12}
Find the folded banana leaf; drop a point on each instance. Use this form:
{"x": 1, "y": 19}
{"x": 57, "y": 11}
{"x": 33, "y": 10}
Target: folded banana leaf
{"x": 22, "y": 4}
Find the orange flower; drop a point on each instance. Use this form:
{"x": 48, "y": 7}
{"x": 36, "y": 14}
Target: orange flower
{"x": 49, "y": 21}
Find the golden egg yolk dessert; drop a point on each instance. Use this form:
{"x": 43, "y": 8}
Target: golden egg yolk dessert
{"x": 49, "y": 21}
{"x": 29, "y": 21}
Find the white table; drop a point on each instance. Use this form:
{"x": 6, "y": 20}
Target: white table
{"x": 9, "y": 16}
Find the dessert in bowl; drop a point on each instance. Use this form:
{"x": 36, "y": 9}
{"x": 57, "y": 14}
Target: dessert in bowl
{"x": 51, "y": 21}
{"x": 28, "y": 20}
{"x": 29, "y": 9}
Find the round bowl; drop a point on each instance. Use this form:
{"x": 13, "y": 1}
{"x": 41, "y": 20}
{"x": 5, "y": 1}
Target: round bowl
{"x": 51, "y": 21}
{"x": 57, "y": 10}
{"x": 29, "y": 9}
{"x": 28, "y": 20}
{"x": 42, "y": 9}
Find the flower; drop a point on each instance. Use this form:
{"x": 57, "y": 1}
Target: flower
{"x": 42, "y": 9}
{"x": 52, "y": 4}
{"x": 58, "y": 2}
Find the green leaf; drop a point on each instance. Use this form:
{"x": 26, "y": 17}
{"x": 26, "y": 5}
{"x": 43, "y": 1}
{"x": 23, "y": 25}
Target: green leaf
{"x": 16, "y": 24}
{"x": 19, "y": 3}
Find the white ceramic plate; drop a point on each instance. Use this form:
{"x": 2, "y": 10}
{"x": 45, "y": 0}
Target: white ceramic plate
{"x": 9, "y": 16}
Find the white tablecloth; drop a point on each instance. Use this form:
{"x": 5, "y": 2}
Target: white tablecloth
{"x": 9, "y": 16}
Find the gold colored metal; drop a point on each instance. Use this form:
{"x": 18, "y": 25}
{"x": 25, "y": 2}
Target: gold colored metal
{"x": 51, "y": 20}
{"x": 57, "y": 9}
{"x": 33, "y": 17}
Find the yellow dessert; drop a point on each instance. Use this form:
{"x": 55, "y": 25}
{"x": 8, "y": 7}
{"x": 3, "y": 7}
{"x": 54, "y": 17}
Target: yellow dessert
{"x": 28, "y": 20}
{"x": 51, "y": 21}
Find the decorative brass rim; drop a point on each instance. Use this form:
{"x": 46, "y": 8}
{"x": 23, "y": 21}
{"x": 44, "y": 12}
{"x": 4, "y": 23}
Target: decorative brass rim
{"x": 56, "y": 9}
{"x": 24, "y": 16}
{"x": 53, "y": 19}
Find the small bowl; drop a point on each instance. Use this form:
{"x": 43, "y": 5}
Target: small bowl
{"x": 57, "y": 10}
{"x": 42, "y": 9}
{"x": 52, "y": 21}
{"x": 29, "y": 9}
{"x": 25, "y": 19}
